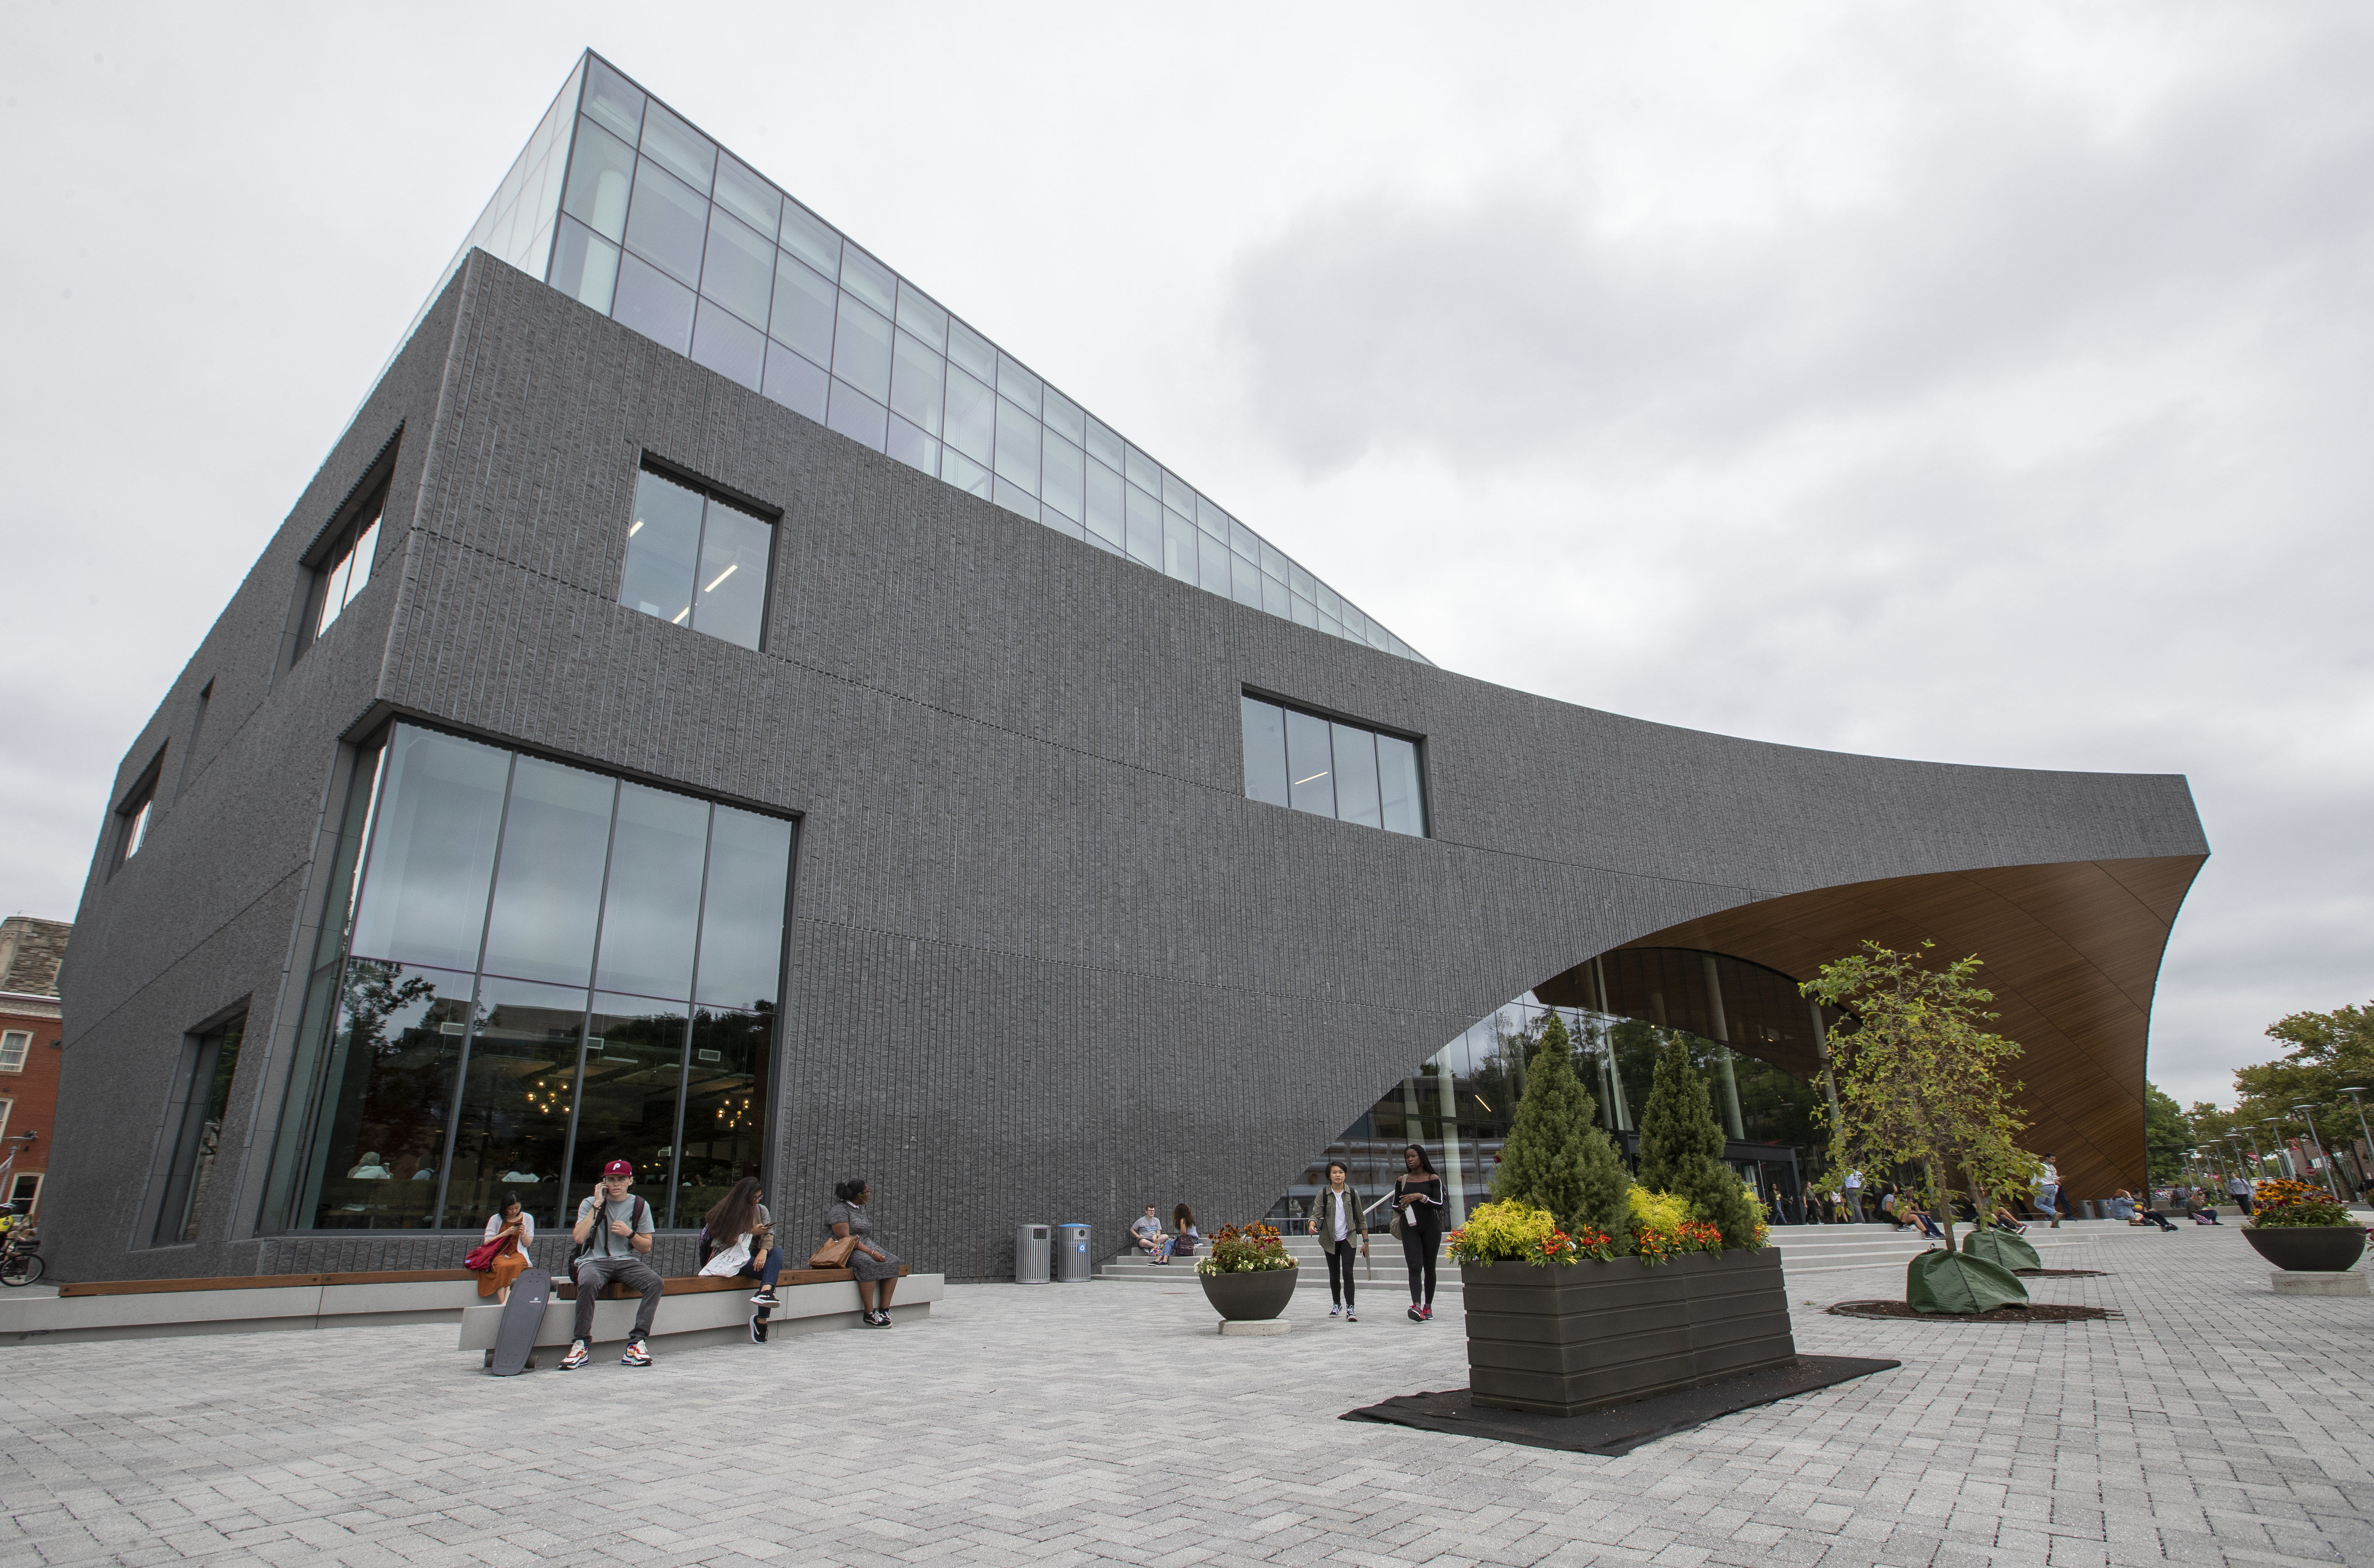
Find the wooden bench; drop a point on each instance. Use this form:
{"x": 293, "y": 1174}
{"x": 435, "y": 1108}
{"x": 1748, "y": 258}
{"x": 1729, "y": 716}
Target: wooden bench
{"x": 701, "y": 1284}
{"x": 689, "y": 1285}
{"x": 709, "y": 1310}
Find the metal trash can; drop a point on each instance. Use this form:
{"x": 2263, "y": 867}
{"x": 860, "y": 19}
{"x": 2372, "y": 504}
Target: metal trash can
{"x": 1071, "y": 1267}
{"x": 1030, "y": 1254}
{"x": 2088, "y": 1205}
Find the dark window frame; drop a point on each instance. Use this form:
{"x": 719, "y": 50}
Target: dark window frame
{"x": 134, "y": 816}
{"x": 711, "y": 493}
{"x": 1416, "y": 741}
{"x": 364, "y": 507}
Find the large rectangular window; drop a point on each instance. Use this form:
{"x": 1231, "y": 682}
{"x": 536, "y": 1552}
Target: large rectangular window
{"x": 1329, "y": 769}
{"x": 695, "y": 560}
{"x": 550, "y": 969}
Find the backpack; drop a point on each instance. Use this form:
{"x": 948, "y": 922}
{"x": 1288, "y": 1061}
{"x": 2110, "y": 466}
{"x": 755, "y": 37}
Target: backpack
{"x": 600, "y": 1222}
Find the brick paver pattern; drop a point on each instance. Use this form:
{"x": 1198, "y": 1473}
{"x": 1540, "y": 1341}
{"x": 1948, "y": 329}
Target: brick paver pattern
{"x": 2215, "y": 1423}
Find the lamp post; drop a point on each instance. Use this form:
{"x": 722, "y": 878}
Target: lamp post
{"x": 2275, "y": 1122}
{"x": 2331, "y": 1181}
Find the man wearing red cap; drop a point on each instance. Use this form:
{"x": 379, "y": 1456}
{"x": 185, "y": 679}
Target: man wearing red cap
{"x": 616, "y": 1233}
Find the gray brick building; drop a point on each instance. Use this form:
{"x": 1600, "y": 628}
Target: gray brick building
{"x": 711, "y": 708}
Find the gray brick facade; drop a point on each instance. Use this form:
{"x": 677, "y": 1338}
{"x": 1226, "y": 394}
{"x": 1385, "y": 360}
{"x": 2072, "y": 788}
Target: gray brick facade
{"x": 1046, "y": 961}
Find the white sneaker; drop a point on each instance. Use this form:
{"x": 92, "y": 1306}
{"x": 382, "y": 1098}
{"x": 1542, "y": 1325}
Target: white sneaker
{"x": 1334, "y": 1312}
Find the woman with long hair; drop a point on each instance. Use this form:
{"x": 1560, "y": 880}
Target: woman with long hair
{"x": 1184, "y": 1237}
{"x": 738, "y": 1222}
{"x": 873, "y": 1265}
{"x": 515, "y": 1227}
{"x": 1417, "y": 1220}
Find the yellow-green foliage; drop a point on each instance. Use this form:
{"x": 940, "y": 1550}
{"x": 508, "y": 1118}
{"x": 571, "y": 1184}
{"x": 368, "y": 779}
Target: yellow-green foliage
{"x": 1658, "y": 1211}
{"x": 1508, "y": 1230}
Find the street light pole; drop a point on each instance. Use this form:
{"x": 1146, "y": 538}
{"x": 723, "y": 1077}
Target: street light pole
{"x": 2331, "y": 1181}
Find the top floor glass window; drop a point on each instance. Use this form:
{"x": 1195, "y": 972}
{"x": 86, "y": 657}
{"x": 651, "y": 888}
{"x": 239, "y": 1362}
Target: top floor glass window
{"x": 695, "y": 560}
{"x": 1329, "y": 769}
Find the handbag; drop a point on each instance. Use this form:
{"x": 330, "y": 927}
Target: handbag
{"x": 833, "y": 1254}
{"x": 482, "y": 1256}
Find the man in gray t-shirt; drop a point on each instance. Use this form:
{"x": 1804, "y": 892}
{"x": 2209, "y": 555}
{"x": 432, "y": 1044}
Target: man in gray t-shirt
{"x": 615, "y": 1230}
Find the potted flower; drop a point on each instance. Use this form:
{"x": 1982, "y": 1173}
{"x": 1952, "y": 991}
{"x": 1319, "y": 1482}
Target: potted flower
{"x": 2299, "y": 1229}
{"x": 1247, "y": 1274}
{"x": 1582, "y": 1290}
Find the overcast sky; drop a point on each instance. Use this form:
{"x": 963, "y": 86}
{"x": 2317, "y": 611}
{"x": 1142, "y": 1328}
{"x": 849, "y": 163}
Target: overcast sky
{"x": 1970, "y": 382}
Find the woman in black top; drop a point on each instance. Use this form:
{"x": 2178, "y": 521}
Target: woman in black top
{"x": 1417, "y": 1220}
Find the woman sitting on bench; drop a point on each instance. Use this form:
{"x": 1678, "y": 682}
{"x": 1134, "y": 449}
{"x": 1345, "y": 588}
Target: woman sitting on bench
{"x": 739, "y": 1223}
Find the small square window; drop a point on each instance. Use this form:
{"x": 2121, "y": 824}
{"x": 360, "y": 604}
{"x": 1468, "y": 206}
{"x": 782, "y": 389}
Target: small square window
{"x": 14, "y": 1045}
{"x": 28, "y": 1191}
{"x": 695, "y": 559}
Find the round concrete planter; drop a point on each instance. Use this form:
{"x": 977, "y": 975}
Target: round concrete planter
{"x": 2321, "y": 1249}
{"x": 1251, "y": 1297}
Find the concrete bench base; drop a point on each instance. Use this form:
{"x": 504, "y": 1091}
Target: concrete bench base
{"x": 2317, "y": 1282}
{"x": 687, "y": 1321}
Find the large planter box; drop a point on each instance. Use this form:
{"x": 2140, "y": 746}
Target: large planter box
{"x": 2324, "y": 1249}
{"x": 1563, "y": 1341}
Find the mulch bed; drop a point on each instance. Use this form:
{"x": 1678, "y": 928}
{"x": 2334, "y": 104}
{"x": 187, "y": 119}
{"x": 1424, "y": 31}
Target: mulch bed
{"x": 2060, "y": 1273}
{"x": 2035, "y": 1312}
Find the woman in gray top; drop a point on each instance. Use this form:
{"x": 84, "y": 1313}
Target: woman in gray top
{"x": 875, "y": 1267}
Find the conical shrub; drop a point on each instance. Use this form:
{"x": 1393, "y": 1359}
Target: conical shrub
{"x": 1554, "y": 1158}
{"x": 1681, "y": 1148}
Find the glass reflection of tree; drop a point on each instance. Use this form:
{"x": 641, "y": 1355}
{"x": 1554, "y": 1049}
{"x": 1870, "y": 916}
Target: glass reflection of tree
{"x": 725, "y": 1121}
{"x": 398, "y": 1103}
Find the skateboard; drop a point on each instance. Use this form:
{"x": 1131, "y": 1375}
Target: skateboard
{"x": 514, "y": 1351}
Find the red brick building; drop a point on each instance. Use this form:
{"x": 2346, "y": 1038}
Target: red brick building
{"x": 30, "y": 951}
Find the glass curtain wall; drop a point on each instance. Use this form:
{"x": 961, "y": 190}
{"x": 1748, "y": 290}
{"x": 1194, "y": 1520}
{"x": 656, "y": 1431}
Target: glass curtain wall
{"x": 544, "y": 969}
{"x": 662, "y": 231}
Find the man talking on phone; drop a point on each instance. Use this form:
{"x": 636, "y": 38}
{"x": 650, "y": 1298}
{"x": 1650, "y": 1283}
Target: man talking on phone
{"x": 614, "y": 1236}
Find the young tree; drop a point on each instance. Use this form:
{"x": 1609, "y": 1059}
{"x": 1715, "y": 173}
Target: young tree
{"x": 1920, "y": 1078}
{"x": 2168, "y": 1138}
{"x": 1681, "y": 1147}
{"x": 1554, "y": 1158}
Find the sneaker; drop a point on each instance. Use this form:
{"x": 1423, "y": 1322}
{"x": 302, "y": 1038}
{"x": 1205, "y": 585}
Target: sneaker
{"x": 579, "y": 1354}
{"x": 1415, "y": 1315}
{"x": 637, "y": 1354}
{"x": 1334, "y": 1312}
{"x": 765, "y": 1298}
{"x": 757, "y": 1331}
{"x": 1350, "y": 1316}
{"x": 1427, "y": 1313}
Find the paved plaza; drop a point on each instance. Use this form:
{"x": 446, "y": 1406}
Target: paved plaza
{"x": 2214, "y": 1423}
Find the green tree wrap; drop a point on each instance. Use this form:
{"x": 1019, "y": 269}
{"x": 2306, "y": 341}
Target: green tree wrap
{"x": 2002, "y": 1249}
{"x": 1949, "y": 1282}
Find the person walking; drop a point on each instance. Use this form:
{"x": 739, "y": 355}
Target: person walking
{"x": 1337, "y": 1222}
{"x": 614, "y": 1235}
{"x": 2047, "y": 1191}
{"x": 1417, "y": 1220}
{"x": 1853, "y": 1198}
{"x": 874, "y": 1267}
{"x": 2238, "y": 1187}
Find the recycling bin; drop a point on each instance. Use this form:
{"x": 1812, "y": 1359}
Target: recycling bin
{"x": 1072, "y": 1263}
{"x": 1031, "y": 1244}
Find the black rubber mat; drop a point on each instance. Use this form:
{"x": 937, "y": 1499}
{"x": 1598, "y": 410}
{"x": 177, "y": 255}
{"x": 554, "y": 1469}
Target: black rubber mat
{"x": 1622, "y": 1428}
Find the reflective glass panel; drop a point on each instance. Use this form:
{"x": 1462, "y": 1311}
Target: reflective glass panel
{"x": 869, "y": 279}
{"x": 1142, "y": 537}
{"x": 584, "y": 265}
{"x": 1104, "y": 446}
{"x": 738, "y": 269}
{"x": 972, "y": 417}
{"x": 653, "y": 304}
{"x": 1104, "y": 519}
{"x": 792, "y": 381}
{"x": 599, "y": 176}
{"x": 732, "y": 602}
{"x": 1064, "y": 416}
{"x": 1309, "y": 765}
{"x": 1064, "y": 481}
{"x": 970, "y": 349}
{"x": 366, "y": 550}
{"x": 742, "y": 912}
{"x": 1356, "y": 776}
{"x": 743, "y": 194}
{"x": 1013, "y": 497}
{"x": 548, "y": 879}
{"x": 1404, "y": 803}
{"x": 1018, "y": 446}
{"x": 333, "y": 590}
{"x": 1274, "y": 597}
{"x": 811, "y": 238}
{"x": 1177, "y": 494}
{"x": 1142, "y": 470}
{"x": 1266, "y": 776}
{"x": 860, "y": 351}
{"x": 614, "y": 101}
{"x": 627, "y": 1099}
{"x": 726, "y": 1111}
{"x": 856, "y": 415}
{"x": 650, "y": 910}
{"x": 920, "y": 316}
{"x": 911, "y": 447}
{"x": 729, "y": 345}
{"x": 387, "y": 1090}
{"x": 683, "y": 151}
{"x": 662, "y": 546}
{"x": 1214, "y": 564}
{"x": 917, "y": 377}
{"x": 804, "y": 311}
{"x": 963, "y": 472}
{"x": 1178, "y": 547}
{"x": 516, "y": 1099}
{"x": 1245, "y": 580}
{"x": 667, "y": 222}
{"x": 1018, "y": 383}
{"x": 440, "y": 809}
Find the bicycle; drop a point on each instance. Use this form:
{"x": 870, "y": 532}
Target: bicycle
{"x": 19, "y": 1264}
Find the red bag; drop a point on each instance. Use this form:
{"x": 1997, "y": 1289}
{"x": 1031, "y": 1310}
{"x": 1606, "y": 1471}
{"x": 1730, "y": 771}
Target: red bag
{"x": 482, "y": 1256}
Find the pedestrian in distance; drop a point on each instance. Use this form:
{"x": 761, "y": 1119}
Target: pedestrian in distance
{"x": 1337, "y": 1221}
{"x": 872, "y": 1266}
{"x": 1184, "y": 1237}
{"x": 2048, "y": 1192}
{"x": 2238, "y": 1187}
{"x": 613, "y": 1234}
{"x": 1417, "y": 1220}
